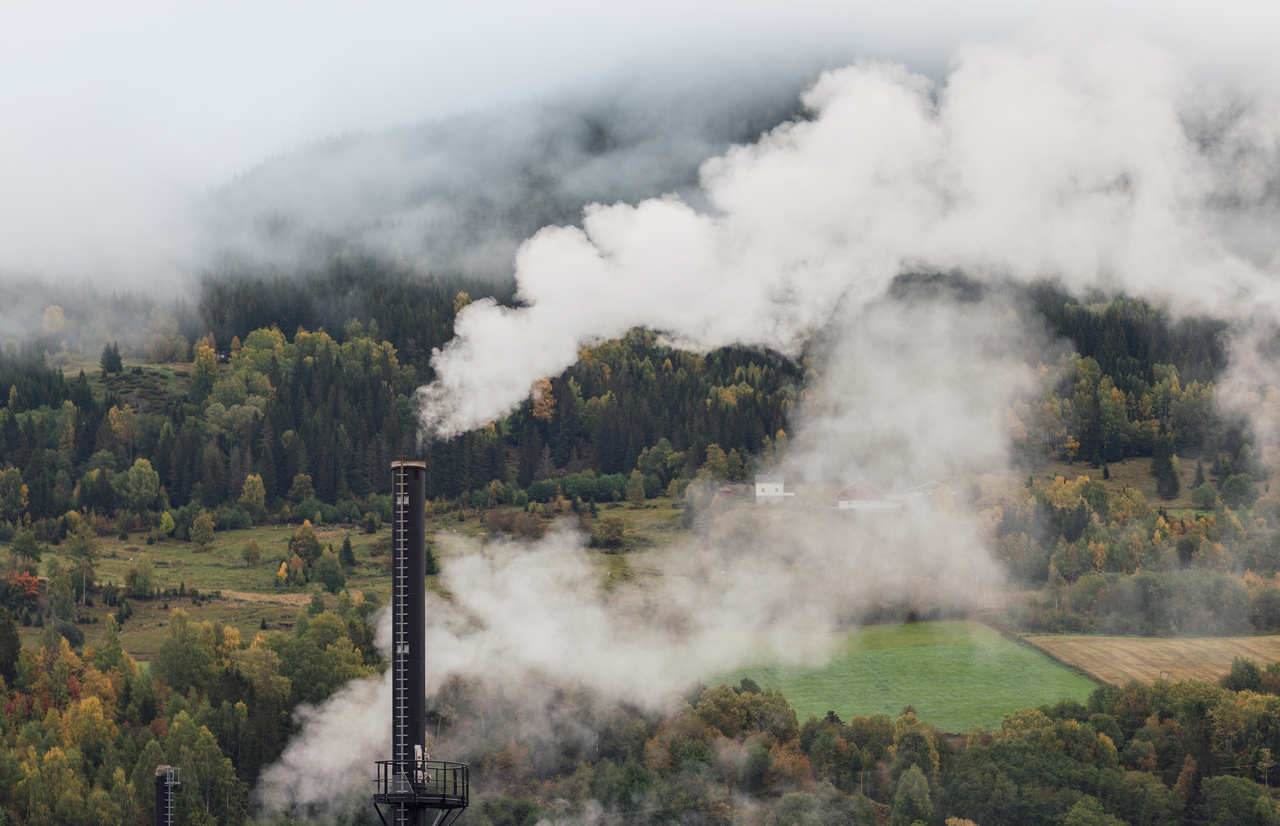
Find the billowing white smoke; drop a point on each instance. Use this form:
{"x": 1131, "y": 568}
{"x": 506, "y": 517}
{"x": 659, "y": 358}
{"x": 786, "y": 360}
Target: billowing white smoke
{"x": 526, "y": 620}
{"x": 905, "y": 383}
{"x": 1099, "y": 168}
{"x": 910, "y": 391}
{"x": 1025, "y": 164}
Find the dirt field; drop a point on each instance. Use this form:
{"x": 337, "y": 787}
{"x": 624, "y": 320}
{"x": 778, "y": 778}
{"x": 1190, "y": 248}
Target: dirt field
{"x": 1120, "y": 659}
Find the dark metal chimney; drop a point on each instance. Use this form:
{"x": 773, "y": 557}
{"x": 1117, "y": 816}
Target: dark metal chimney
{"x": 166, "y": 780}
{"x": 408, "y": 610}
{"x": 410, "y": 783}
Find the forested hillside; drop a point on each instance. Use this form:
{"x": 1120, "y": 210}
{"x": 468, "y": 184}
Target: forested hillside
{"x": 283, "y": 399}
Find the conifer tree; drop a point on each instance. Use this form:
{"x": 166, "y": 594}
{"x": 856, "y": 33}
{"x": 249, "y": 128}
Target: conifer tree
{"x": 110, "y": 361}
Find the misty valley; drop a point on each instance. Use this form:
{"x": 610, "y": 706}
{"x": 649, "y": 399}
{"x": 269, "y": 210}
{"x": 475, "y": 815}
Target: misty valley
{"x": 197, "y": 552}
{"x": 892, "y": 451}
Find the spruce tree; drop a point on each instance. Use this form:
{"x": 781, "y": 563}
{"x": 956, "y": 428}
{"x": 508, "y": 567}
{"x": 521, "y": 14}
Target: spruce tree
{"x": 1168, "y": 485}
{"x": 110, "y": 361}
{"x": 10, "y": 647}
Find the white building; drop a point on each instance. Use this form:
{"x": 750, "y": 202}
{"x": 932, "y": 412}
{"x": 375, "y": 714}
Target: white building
{"x": 769, "y": 489}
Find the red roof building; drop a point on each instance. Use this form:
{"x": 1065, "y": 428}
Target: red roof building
{"x": 863, "y": 494}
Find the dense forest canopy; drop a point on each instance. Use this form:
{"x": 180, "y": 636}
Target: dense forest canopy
{"x": 283, "y": 397}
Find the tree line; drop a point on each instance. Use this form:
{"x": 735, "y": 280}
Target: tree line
{"x": 81, "y": 732}
{"x": 1173, "y": 752}
{"x": 129, "y": 446}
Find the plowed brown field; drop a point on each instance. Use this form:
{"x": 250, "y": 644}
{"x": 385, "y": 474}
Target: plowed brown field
{"x": 1120, "y": 659}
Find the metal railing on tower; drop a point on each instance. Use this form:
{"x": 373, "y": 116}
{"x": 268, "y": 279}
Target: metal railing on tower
{"x": 166, "y": 781}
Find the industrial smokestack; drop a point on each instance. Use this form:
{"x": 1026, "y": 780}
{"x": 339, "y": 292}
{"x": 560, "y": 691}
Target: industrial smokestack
{"x": 410, "y": 783}
{"x": 408, "y": 610}
{"x": 166, "y": 780}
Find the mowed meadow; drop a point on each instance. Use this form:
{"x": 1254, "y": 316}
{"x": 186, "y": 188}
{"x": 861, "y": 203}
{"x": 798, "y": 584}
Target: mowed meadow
{"x": 955, "y": 674}
{"x": 1118, "y": 660}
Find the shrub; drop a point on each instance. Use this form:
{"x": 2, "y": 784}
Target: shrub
{"x": 73, "y": 635}
{"x": 609, "y": 532}
{"x": 202, "y": 530}
{"x": 1239, "y": 491}
{"x": 327, "y": 570}
{"x": 516, "y": 523}
{"x": 19, "y": 590}
{"x": 304, "y": 542}
{"x": 232, "y": 518}
{"x": 1204, "y": 497}
{"x": 141, "y": 580}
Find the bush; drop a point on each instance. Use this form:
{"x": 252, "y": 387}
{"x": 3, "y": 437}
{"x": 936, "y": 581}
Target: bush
{"x": 609, "y": 532}
{"x": 1204, "y": 497}
{"x": 304, "y": 542}
{"x": 232, "y": 518}
{"x": 73, "y": 635}
{"x": 18, "y": 590}
{"x": 516, "y": 523}
{"x": 1265, "y": 612}
{"x": 1243, "y": 676}
{"x": 348, "y": 511}
{"x": 202, "y": 530}
{"x": 308, "y": 508}
{"x": 328, "y": 572}
{"x": 1239, "y": 491}
{"x": 141, "y": 580}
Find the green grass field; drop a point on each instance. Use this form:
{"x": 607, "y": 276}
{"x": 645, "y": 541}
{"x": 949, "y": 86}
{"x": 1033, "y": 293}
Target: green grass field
{"x": 956, "y": 674}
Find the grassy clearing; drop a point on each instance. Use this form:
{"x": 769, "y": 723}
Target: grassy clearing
{"x": 249, "y": 594}
{"x": 956, "y": 674}
{"x": 1134, "y": 472}
{"x": 222, "y": 567}
{"x": 1121, "y": 659}
{"x": 250, "y": 597}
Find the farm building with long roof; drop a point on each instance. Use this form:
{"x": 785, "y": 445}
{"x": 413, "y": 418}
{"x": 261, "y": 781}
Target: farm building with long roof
{"x": 862, "y": 495}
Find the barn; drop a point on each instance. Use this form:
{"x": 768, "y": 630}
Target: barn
{"x": 862, "y": 495}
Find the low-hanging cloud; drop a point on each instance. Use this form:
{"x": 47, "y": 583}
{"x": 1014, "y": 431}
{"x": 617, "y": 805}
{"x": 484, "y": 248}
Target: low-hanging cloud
{"x": 457, "y": 196}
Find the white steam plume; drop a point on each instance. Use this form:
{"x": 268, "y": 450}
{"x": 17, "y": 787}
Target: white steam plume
{"x": 1103, "y": 166}
{"x": 527, "y": 620}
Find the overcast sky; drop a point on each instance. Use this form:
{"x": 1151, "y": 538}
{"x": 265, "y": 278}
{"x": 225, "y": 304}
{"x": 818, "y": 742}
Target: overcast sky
{"x": 112, "y": 115}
